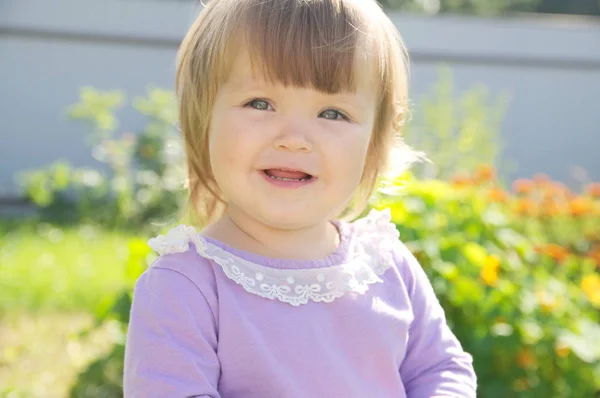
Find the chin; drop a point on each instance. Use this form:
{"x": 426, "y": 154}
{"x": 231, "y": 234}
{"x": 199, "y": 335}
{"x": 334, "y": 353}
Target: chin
{"x": 290, "y": 219}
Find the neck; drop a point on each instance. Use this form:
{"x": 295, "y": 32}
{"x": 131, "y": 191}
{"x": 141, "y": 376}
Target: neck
{"x": 245, "y": 233}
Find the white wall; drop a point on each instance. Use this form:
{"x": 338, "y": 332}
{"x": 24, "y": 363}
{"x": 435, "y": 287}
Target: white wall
{"x": 49, "y": 49}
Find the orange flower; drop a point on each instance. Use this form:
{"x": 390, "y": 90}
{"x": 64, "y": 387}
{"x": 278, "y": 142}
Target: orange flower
{"x": 526, "y": 359}
{"x": 523, "y": 186}
{"x": 461, "y": 181}
{"x": 557, "y": 252}
{"x": 579, "y": 207}
{"x": 497, "y": 195}
{"x": 594, "y": 255}
{"x": 525, "y": 207}
{"x": 590, "y": 284}
{"x": 489, "y": 270}
{"x": 485, "y": 173}
{"x": 541, "y": 179}
{"x": 549, "y": 207}
{"x": 594, "y": 189}
{"x": 557, "y": 189}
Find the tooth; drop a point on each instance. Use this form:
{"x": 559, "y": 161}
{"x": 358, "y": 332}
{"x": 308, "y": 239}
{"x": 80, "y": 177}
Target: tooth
{"x": 287, "y": 179}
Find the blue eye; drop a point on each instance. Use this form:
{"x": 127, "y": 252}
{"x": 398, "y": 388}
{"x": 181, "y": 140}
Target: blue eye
{"x": 259, "y": 104}
{"x": 332, "y": 114}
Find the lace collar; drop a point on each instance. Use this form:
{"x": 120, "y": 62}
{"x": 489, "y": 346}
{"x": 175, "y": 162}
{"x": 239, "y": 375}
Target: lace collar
{"x": 370, "y": 255}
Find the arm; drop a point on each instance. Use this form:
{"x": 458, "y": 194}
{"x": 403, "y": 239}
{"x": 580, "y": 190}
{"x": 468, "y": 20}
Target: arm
{"x": 435, "y": 364}
{"x": 172, "y": 339}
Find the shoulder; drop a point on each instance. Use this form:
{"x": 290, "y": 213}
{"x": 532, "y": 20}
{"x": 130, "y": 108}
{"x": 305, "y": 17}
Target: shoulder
{"x": 377, "y": 234}
{"x": 179, "y": 262}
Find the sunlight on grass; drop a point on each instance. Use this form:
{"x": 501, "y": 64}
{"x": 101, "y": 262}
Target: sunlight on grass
{"x": 41, "y": 355}
{"x": 52, "y": 281}
{"x": 48, "y": 268}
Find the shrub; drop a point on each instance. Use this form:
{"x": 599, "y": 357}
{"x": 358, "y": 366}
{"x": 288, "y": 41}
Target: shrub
{"x": 142, "y": 177}
{"x": 521, "y": 296}
{"x": 528, "y": 316}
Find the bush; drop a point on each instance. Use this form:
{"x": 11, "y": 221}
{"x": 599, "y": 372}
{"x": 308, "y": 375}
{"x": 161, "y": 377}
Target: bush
{"x": 142, "y": 178}
{"x": 521, "y": 291}
{"x": 525, "y": 309}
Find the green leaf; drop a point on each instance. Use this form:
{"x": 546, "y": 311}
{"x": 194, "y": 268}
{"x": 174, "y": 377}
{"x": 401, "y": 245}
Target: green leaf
{"x": 103, "y": 307}
{"x": 122, "y": 307}
{"x": 475, "y": 253}
{"x": 468, "y": 290}
{"x": 62, "y": 176}
{"x": 448, "y": 270}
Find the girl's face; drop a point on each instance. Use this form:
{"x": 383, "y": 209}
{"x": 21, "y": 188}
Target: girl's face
{"x": 288, "y": 157}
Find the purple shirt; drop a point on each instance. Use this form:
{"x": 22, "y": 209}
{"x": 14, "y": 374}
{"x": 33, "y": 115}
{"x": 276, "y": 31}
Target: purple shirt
{"x": 211, "y": 321}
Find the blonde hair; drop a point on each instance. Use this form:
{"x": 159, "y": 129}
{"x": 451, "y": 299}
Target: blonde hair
{"x": 320, "y": 44}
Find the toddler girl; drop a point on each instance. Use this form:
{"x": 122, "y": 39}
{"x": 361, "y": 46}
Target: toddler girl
{"x": 289, "y": 109}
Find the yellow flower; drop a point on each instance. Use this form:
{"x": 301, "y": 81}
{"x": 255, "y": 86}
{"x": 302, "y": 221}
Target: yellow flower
{"x": 590, "y": 284}
{"x": 547, "y": 301}
{"x": 489, "y": 271}
{"x": 562, "y": 350}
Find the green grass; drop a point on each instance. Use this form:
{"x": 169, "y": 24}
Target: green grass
{"x": 47, "y": 268}
{"x": 52, "y": 282}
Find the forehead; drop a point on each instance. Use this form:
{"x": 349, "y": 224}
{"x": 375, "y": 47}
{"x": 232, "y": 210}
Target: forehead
{"x": 247, "y": 72}
{"x": 310, "y": 44}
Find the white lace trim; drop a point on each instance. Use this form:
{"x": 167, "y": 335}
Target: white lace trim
{"x": 370, "y": 257}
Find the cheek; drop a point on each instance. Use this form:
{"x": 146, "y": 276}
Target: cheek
{"x": 360, "y": 160}
{"x": 227, "y": 141}
{"x": 352, "y": 154}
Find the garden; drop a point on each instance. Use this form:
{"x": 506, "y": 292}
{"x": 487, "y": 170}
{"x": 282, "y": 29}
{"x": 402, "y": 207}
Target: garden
{"x": 515, "y": 264}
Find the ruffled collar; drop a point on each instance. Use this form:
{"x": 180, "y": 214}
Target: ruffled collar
{"x": 339, "y": 256}
{"x": 364, "y": 254}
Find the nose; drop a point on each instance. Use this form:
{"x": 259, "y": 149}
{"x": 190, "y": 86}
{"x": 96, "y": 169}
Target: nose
{"x": 293, "y": 136}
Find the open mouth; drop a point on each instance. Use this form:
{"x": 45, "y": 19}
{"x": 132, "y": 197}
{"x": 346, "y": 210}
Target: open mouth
{"x": 288, "y": 175}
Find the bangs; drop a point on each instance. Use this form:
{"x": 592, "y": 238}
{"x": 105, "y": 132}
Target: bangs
{"x": 305, "y": 43}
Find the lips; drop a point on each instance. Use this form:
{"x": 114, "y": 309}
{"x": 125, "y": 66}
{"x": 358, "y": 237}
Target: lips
{"x": 287, "y": 174}
{"x": 282, "y": 174}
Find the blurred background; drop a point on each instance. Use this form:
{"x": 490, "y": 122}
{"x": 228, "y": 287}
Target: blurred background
{"x": 505, "y": 220}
